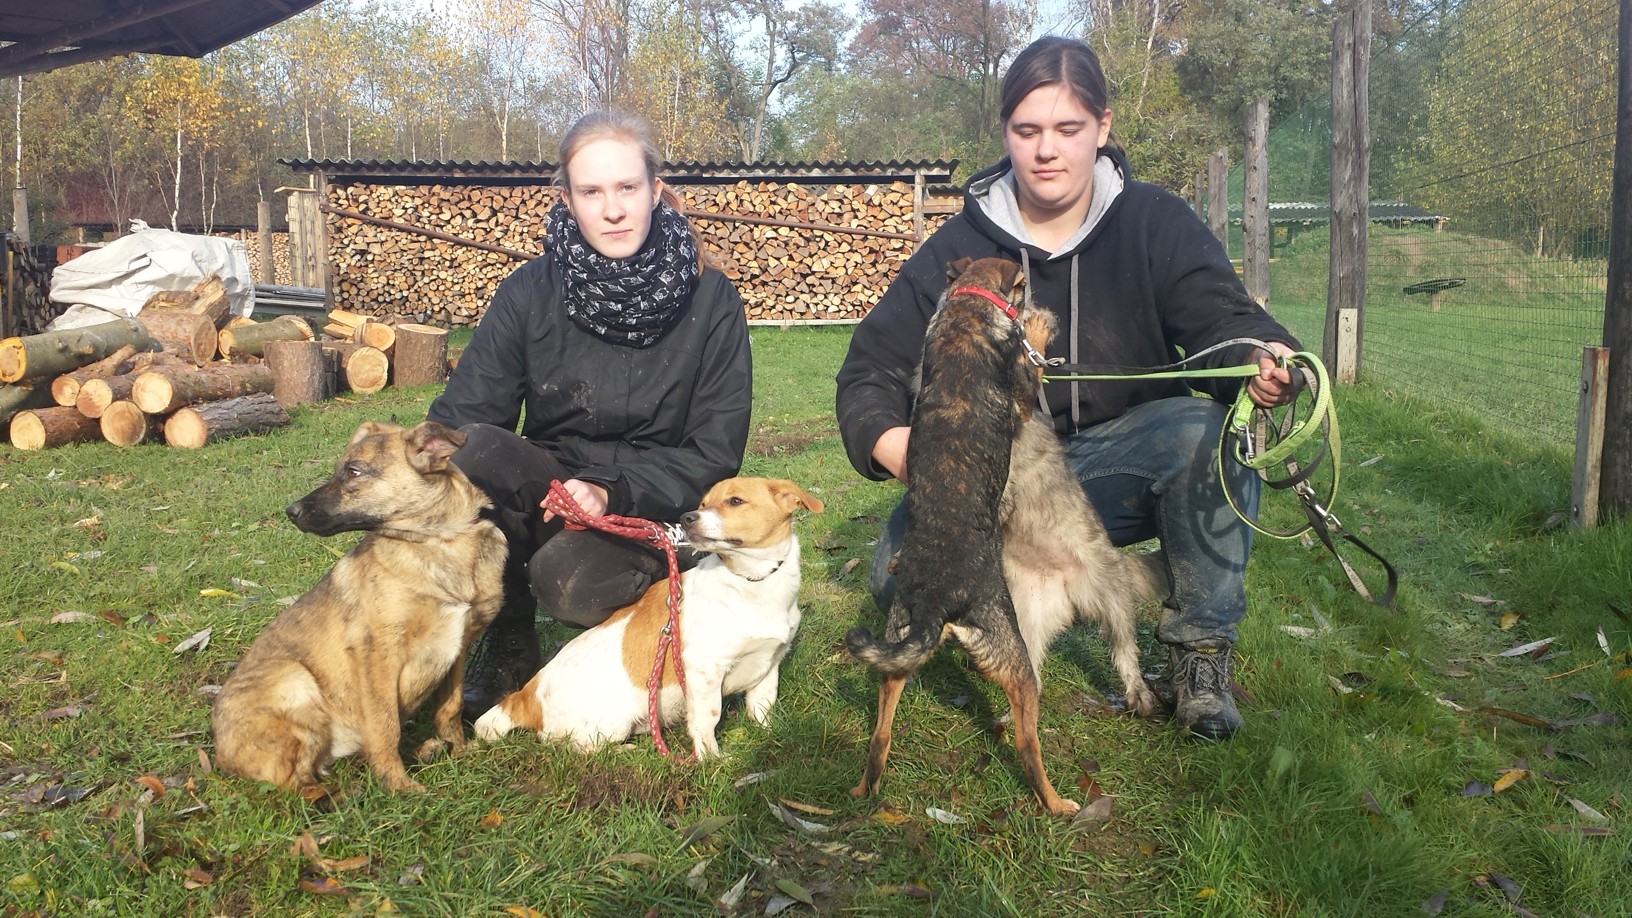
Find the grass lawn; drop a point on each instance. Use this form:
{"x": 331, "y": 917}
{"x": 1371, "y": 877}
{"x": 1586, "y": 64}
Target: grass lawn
{"x": 1392, "y": 761}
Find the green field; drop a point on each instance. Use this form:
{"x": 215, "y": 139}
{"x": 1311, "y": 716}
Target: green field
{"x": 1391, "y": 759}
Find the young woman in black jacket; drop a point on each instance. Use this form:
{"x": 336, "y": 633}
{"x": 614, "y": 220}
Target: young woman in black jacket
{"x": 1134, "y": 278}
{"x": 625, "y": 359}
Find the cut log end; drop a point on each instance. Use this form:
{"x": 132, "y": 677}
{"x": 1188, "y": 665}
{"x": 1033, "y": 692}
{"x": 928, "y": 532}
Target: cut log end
{"x": 43, "y": 428}
{"x": 124, "y": 424}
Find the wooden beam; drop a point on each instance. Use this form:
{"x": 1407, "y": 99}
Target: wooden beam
{"x": 1589, "y": 437}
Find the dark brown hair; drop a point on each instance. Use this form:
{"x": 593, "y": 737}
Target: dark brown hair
{"x": 1056, "y": 60}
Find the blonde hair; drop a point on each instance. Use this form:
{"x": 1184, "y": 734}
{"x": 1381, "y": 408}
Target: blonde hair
{"x": 610, "y": 124}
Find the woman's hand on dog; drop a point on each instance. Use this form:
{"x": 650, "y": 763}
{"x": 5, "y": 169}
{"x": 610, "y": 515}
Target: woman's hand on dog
{"x": 890, "y": 452}
{"x": 1273, "y": 384}
{"x": 590, "y": 497}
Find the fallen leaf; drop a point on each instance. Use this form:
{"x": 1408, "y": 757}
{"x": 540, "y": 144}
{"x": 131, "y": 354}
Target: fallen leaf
{"x": 1509, "y": 888}
{"x": 794, "y": 822}
{"x": 305, "y": 846}
{"x": 1093, "y": 814}
{"x": 1526, "y": 719}
{"x": 218, "y": 593}
{"x": 702, "y": 829}
{"x": 152, "y": 783}
{"x": 197, "y": 641}
{"x": 1485, "y": 600}
{"x": 729, "y": 899}
{"x": 196, "y": 879}
{"x": 68, "y": 618}
{"x": 804, "y": 807}
{"x": 890, "y": 817}
{"x": 522, "y": 911}
{"x": 65, "y": 567}
{"x": 1509, "y": 778}
{"x": 1476, "y": 789}
{"x": 753, "y": 778}
{"x": 1587, "y": 811}
{"x": 1206, "y": 892}
{"x": 849, "y": 566}
{"x": 1603, "y": 642}
{"x": 1524, "y": 649}
{"x": 1370, "y": 803}
{"x": 944, "y": 816}
{"x": 492, "y": 820}
{"x": 111, "y": 617}
{"x": 323, "y": 886}
{"x": 62, "y": 713}
{"x": 1508, "y": 620}
{"x": 1435, "y": 903}
{"x": 794, "y": 890}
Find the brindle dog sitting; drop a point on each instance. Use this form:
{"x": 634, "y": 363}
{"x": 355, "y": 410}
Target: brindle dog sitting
{"x": 337, "y": 672}
{"x": 975, "y": 390}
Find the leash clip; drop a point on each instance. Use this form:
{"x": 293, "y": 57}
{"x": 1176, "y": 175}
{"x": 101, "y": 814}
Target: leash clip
{"x": 1306, "y": 494}
{"x": 676, "y": 534}
{"x": 1032, "y": 354}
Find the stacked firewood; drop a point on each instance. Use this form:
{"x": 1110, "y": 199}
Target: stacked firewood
{"x": 187, "y": 372}
{"x": 280, "y": 255}
{"x": 25, "y": 284}
{"x": 797, "y": 253}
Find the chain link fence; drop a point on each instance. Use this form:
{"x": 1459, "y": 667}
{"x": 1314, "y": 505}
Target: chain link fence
{"x": 1493, "y": 136}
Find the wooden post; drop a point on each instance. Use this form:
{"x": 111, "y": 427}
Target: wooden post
{"x": 918, "y": 204}
{"x": 1350, "y": 183}
{"x": 1255, "y": 203}
{"x": 1586, "y": 487}
{"x": 19, "y": 213}
{"x": 1218, "y": 196}
{"x": 1345, "y": 360}
{"x": 263, "y": 235}
{"x": 1615, "y": 486}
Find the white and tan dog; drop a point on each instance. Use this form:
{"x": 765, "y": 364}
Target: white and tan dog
{"x": 738, "y": 618}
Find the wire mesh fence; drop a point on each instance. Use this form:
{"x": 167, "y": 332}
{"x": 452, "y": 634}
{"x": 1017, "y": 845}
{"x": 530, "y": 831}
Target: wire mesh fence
{"x": 1493, "y": 126}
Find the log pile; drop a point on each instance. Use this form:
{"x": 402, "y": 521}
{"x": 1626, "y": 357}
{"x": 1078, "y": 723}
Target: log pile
{"x": 25, "y": 284}
{"x": 186, "y": 373}
{"x": 280, "y": 255}
{"x": 837, "y": 250}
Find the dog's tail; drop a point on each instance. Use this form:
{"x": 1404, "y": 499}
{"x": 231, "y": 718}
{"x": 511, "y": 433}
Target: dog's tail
{"x": 1148, "y": 575}
{"x": 901, "y": 658}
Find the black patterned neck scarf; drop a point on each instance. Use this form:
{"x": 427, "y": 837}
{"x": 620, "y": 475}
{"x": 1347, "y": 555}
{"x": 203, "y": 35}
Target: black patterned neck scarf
{"x": 631, "y": 301}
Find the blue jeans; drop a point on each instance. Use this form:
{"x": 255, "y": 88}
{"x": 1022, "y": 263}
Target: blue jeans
{"x": 1153, "y": 473}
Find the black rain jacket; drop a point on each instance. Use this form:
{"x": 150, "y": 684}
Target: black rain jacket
{"x": 657, "y": 426}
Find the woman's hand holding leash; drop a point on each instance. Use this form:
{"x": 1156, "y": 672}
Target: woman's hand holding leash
{"x": 1273, "y": 384}
{"x": 590, "y": 497}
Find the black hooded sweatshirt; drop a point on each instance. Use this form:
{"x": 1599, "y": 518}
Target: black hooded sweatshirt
{"x": 1151, "y": 283}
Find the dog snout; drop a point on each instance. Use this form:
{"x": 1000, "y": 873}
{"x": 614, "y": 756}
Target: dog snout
{"x": 295, "y": 511}
{"x": 690, "y": 518}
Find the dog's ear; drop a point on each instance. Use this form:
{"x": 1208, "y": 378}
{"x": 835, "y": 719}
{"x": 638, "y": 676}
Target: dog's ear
{"x": 956, "y": 268}
{"x": 791, "y": 495}
{"x": 430, "y": 444}
{"x": 1012, "y": 277}
{"x": 369, "y": 429}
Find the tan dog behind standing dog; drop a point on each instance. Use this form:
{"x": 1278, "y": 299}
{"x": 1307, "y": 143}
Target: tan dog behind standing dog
{"x": 385, "y": 629}
{"x": 738, "y": 620}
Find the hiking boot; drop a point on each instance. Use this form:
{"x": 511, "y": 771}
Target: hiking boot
{"x": 1202, "y": 701}
{"x": 501, "y": 660}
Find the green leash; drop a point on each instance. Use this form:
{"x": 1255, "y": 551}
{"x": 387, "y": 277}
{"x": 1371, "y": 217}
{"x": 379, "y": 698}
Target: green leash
{"x": 1253, "y": 437}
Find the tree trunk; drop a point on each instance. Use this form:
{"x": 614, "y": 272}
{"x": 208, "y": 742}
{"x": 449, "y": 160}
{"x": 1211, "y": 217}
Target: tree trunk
{"x": 363, "y": 369}
{"x": 422, "y": 356}
{"x": 97, "y": 394}
{"x": 65, "y": 388}
{"x": 297, "y": 372}
{"x": 188, "y": 335}
{"x": 55, "y": 426}
{"x": 124, "y": 424}
{"x": 252, "y": 339}
{"x": 51, "y": 353}
{"x": 198, "y": 425}
{"x": 163, "y": 390}
{"x": 1218, "y": 197}
{"x": 1255, "y": 204}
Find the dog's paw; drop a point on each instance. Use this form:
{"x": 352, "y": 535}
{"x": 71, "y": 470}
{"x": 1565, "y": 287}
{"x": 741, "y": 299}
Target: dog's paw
{"x": 432, "y": 748}
{"x": 1063, "y": 807}
{"x": 1143, "y": 702}
{"x": 404, "y": 785}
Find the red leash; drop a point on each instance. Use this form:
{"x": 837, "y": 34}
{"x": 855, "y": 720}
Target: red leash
{"x": 559, "y": 502}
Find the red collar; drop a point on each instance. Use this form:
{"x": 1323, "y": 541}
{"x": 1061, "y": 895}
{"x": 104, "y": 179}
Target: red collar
{"x": 992, "y": 298}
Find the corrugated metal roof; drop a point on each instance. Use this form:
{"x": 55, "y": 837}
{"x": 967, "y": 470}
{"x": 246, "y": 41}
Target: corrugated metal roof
{"x": 1321, "y": 212}
{"x": 58, "y": 33}
{"x": 687, "y": 172}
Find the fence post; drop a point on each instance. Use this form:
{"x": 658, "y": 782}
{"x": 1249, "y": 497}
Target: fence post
{"x": 263, "y": 239}
{"x": 1615, "y": 492}
{"x": 1589, "y": 437}
{"x": 1255, "y": 203}
{"x": 1218, "y": 196}
{"x": 1350, "y": 192}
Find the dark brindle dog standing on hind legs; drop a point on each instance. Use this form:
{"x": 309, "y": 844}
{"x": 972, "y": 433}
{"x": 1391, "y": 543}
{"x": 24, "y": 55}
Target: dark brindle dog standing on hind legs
{"x": 384, "y": 630}
{"x": 976, "y": 390}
